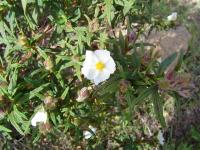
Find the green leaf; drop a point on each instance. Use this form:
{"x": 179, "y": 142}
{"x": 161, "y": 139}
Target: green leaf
{"x": 109, "y": 11}
{"x": 24, "y": 4}
{"x": 136, "y": 60}
{"x": 144, "y": 94}
{"x": 13, "y": 82}
{"x": 36, "y": 91}
{"x": 64, "y": 94}
{"x": 53, "y": 118}
{"x": 4, "y": 129}
{"x": 42, "y": 53}
{"x": 158, "y": 107}
{"x": 66, "y": 65}
{"x": 127, "y": 6}
{"x": 12, "y": 118}
{"x": 110, "y": 86}
{"x": 195, "y": 134}
{"x": 163, "y": 66}
{"x": 180, "y": 60}
{"x": 121, "y": 41}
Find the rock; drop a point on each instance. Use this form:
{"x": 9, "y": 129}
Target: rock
{"x": 168, "y": 42}
{"x": 191, "y": 3}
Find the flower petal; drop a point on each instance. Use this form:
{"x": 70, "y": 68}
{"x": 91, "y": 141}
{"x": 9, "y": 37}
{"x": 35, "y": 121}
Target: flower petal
{"x": 101, "y": 76}
{"x": 102, "y": 55}
{"x": 90, "y": 55}
{"x": 40, "y": 116}
{"x": 87, "y": 134}
{"x": 110, "y": 65}
{"x": 88, "y": 72}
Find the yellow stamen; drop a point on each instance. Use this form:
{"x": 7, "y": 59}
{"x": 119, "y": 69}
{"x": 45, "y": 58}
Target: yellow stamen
{"x": 100, "y": 66}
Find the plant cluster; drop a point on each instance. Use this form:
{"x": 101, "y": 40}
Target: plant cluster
{"x": 44, "y": 91}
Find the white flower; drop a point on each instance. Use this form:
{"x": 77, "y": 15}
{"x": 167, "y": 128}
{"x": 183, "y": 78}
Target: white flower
{"x": 172, "y": 17}
{"x": 160, "y": 138}
{"x": 98, "y": 66}
{"x": 40, "y": 116}
{"x": 88, "y": 134}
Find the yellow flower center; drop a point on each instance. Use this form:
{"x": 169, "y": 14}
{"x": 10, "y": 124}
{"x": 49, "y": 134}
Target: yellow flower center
{"x": 100, "y": 66}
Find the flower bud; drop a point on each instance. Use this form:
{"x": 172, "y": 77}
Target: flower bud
{"x": 123, "y": 85}
{"x": 3, "y": 84}
{"x": 2, "y": 113}
{"x": 22, "y": 40}
{"x": 77, "y": 121}
{"x": 94, "y": 45}
{"x": 49, "y": 102}
{"x": 83, "y": 94}
{"x": 44, "y": 128}
{"x": 2, "y": 98}
{"x": 164, "y": 84}
{"x": 48, "y": 63}
{"x": 131, "y": 37}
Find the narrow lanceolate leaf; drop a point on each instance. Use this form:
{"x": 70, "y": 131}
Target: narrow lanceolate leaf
{"x": 4, "y": 129}
{"x": 127, "y": 6}
{"x": 24, "y": 4}
{"x": 158, "y": 107}
{"x": 180, "y": 60}
{"x": 143, "y": 96}
{"x": 13, "y": 120}
{"x": 108, "y": 10}
{"x": 42, "y": 53}
{"x": 64, "y": 94}
{"x": 37, "y": 90}
{"x": 165, "y": 64}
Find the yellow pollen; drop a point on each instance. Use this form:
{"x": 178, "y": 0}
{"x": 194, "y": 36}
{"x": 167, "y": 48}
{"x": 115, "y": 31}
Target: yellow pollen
{"x": 100, "y": 66}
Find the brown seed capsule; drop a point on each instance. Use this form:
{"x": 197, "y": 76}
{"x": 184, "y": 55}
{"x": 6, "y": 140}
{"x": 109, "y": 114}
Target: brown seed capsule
{"x": 48, "y": 63}
{"x": 123, "y": 85}
{"x": 164, "y": 84}
{"x": 2, "y": 98}
{"x": 44, "y": 128}
{"x": 3, "y": 84}
{"x": 94, "y": 45}
{"x": 49, "y": 102}
{"x": 22, "y": 40}
{"x": 2, "y": 113}
{"x": 93, "y": 25}
{"x": 83, "y": 94}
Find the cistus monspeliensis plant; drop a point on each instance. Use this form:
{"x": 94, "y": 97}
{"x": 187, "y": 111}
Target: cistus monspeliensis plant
{"x": 80, "y": 68}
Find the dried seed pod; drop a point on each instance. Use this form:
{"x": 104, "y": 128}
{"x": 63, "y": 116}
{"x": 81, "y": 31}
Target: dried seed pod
{"x": 93, "y": 25}
{"x": 25, "y": 57}
{"x": 48, "y": 63}
{"x": 164, "y": 84}
{"x": 83, "y": 94}
{"x": 94, "y": 45}
{"x": 2, "y": 113}
{"x": 3, "y": 84}
{"x": 50, "y": 102}
{"x": 22, "y": 40}
{"x": 45, "y": 128}
{"x": 123, "y": 85}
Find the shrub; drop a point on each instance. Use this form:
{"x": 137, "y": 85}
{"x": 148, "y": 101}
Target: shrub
{"x": 43, "y": 45}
